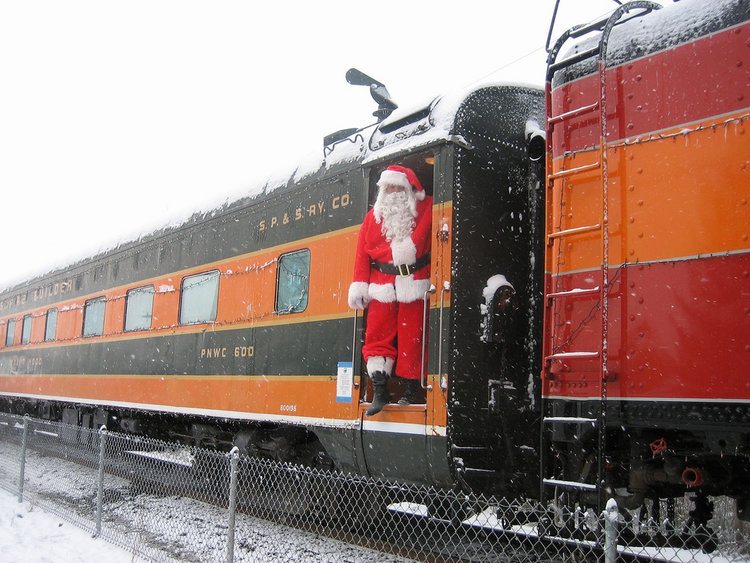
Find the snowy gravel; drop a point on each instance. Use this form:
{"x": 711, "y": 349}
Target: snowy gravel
{"x": 144, "y": 526}
{"x": 29, "y": 534}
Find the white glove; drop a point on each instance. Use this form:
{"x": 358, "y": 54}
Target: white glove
{"x": 359, "y": 295}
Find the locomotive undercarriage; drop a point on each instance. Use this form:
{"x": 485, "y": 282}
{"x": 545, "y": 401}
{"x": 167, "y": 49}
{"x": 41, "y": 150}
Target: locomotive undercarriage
{"x": 646, "y": 469}
{"x": 288, "y": 443}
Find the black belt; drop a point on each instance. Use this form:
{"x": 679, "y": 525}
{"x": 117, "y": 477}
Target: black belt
{"x": 403, "y": 269}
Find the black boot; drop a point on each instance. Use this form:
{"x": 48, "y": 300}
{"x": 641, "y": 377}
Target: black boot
{"x": 381, "y": 398}
{"x": 411, "y": 392}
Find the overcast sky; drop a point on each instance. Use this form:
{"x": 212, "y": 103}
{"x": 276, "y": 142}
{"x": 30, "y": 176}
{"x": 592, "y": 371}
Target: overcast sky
{"x": 119, "y": 117}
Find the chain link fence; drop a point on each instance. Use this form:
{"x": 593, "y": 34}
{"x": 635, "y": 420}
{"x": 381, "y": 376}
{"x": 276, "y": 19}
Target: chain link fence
{"x": 166, "y": 501}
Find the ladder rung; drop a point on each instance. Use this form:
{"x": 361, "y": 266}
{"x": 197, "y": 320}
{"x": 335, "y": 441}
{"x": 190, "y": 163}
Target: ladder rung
{"x": 574, "y": 231}
{"x": 568, "y": 419}
{"x": 570, "y": 485}
{"x": 582, "y": 56}
{"x": 479, "y": 471}
{"x": 572, "y": 113}
{"x": 572, "y": 171}
{"x": 573, "y": 355}
{"x": 573, "y": 292}
{"x": 588, "y": 28}
{"x": 470, "y": 448}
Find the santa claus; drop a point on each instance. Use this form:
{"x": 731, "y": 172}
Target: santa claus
{"x": 391, "y": 275}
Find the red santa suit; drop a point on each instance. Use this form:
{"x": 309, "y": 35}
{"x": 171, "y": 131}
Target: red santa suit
{"x": 394, "y": 300}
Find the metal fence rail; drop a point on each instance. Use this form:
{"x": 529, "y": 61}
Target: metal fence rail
{"x": 167, "y": 501}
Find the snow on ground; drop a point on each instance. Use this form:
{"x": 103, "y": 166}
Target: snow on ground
{"x": 162, "y": 527}
{"x": 29, "y": 534}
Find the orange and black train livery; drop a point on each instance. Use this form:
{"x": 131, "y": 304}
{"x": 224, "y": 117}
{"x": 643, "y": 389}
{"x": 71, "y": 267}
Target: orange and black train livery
{"x": 588, "y": 330}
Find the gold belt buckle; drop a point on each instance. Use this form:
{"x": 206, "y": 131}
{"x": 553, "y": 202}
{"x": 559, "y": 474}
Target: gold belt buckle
{"x": 403, "y": 268}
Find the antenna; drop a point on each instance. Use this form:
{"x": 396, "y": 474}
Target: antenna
{"x": 378, "y": 91}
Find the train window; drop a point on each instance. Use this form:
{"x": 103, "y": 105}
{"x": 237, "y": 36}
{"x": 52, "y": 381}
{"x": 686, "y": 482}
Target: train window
{"x": 50, "y": 328}
{"x": 200, "y": 298}
{"x": 11, "y": 332}
{"x": 93, "y": 317}
{"x": 292, "y": 282}
{"x": 26, "y": 329}
{"x": 139, "y": 304}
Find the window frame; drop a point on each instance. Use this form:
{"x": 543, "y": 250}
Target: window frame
{"x": 103, "y": 299}
{"x": 125, "y": 314}
{"x": 278, "y": 279}
{"x": 46, "y": 324}
{"x": 182, "y": 297}
{"x": 24, "y": 339}
{"x": 10, "y": 333}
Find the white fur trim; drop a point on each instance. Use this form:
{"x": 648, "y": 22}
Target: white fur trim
{"x": 383, "y": 292}
{"x": 380, "y": 363}
{"x": 404, "y": 251}
{"x": 419, "y": 194}
{"x": 359, "y": 295}
{"x": 408, "y": 289}
{"x": 375, "y": 363}
{"x": 393, "y": 178}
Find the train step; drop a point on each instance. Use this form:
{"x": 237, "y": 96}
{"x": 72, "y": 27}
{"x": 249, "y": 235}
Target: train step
{"x": 573, "y": 171}
{"x": 456, "y": 448}
{"x": 582, "y": 56}
{"x": 567, "y": 420}
{"x": 570, "y": 485}
{"x": 573, "y": 113}
{"x": 570, "y": 232}
{"x": 576, "y": 292}
{"x": 572, "y": 356}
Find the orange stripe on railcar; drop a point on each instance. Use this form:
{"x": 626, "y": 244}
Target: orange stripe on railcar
{"x": 246, "y": 296}
{"x": 672, "y": 174}
{"x": 289, "y": 397}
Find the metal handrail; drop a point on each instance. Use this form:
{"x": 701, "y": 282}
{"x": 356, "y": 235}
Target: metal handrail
{"x": 425, "y": 312}
{"x": 354, "y": 350}
{"x": 443, "y": 290}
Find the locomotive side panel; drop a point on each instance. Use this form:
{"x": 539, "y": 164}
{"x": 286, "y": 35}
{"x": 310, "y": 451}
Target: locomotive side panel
{"x": 677, "y": 215}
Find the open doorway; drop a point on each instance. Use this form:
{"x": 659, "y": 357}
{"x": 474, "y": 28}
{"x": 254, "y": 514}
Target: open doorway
{"x": 423, "y": 165}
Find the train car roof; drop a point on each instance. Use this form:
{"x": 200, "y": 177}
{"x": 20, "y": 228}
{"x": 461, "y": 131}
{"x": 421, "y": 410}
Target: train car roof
{"x": 673, "y": 24}
{"x": 405, "y": 130}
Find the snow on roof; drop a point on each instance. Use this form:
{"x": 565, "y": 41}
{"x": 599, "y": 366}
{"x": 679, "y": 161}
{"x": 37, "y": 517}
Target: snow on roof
{"x": 671, "y": 25}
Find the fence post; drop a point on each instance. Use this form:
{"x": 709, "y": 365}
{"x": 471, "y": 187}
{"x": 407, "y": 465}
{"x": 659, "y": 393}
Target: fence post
{"x": 611, "y": 517}
{"x": 23, "y": 456}
{"x": 234, "y": 457}
{"x": 100, "y": 490}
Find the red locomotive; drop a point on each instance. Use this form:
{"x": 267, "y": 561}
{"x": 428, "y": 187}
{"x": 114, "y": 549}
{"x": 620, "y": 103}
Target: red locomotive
{"x": 646, "y": 393}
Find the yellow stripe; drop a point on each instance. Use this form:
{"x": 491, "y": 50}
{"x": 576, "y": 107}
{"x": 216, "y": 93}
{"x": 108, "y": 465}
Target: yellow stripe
{"x": 176, "y": 331}
{"x": 161, "y": 332}
{"x": 233, "y": 378}
{"x": 200, "y": 267}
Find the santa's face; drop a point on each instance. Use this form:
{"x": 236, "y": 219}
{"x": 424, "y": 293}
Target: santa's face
{"x": 391, "y": 189}
{"x": 395, "y": 209}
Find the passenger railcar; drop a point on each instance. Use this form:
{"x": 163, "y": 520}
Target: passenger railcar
{"x": 234, "y": 327}
{"x": 646, "y": 387}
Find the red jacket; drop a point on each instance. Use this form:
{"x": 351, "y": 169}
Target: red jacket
{"x": 372, "y": 245}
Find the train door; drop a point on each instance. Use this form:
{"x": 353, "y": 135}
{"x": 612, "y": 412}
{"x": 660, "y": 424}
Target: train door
{"x": 394, "y": 441}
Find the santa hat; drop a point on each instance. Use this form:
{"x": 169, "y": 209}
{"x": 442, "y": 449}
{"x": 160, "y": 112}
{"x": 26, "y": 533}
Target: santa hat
{"x": 401, "y": 176}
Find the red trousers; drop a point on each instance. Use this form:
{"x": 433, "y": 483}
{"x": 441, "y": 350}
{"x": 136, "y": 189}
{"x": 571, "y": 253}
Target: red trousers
{"x": 387, "y": 322}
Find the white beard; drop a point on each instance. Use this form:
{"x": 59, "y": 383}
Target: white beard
{"x": 395, "y": 214}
